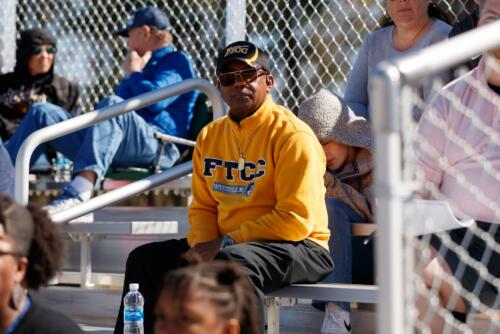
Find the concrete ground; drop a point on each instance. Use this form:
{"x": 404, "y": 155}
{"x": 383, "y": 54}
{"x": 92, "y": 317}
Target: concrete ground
{"x": 304, "y": 319}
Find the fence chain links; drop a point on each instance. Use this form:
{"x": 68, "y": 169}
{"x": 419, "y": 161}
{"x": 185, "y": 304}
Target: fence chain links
{"x": 313, "y": 44}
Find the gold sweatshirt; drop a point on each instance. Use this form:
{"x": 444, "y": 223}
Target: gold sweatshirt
{"x": 278, "y": 195}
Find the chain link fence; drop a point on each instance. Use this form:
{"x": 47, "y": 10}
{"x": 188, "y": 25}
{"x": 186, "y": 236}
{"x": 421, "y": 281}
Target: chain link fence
{"x": 454, "y": 154}
{"x": 312, "y": 43}
{"x": 445, "y": 197}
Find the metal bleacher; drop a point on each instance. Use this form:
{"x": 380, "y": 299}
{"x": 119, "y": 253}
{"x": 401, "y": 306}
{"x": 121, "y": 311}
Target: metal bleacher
{"x": 89, "y": 287}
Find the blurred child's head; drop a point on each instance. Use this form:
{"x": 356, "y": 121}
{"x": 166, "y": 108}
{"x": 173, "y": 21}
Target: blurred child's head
{"x": 339, "y": 130}
{"x": 214, "y": 297}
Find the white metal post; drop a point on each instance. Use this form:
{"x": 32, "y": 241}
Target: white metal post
{"x": 7, "y": 35}
{"x": 86, "y": 261}
{"x": 273, "y": 315}
{"x": 384, "y": 102}
{"x": 235, "y": 21}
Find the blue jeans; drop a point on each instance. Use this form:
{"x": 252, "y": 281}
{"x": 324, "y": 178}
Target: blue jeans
{"x": 125, "y": 140}
{"x": 340, "y": 218}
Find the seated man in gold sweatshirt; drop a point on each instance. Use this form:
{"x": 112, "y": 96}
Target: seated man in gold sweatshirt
{"x": 258, "y": 192}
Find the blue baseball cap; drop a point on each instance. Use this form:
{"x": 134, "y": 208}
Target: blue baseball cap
{"x": 149, "y": 16}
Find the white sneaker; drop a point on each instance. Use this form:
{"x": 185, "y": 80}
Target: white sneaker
{"x": 336, "y": 321}
{"x": 68, "y": 199}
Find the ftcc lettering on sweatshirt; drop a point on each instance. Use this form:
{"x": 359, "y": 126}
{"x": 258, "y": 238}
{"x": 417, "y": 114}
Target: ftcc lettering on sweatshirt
{"x": 249, "y": 172}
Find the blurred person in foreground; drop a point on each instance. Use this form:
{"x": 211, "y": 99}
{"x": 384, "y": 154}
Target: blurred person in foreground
{"x": 411, "y": 25}
{"x": 31, "y": 252}
{"x": 129, "y": 139}
{"x": 32, "y": 81}
{"x": 467, "y": 180}
{"x": 258, "y": 192}
{"x": 214, "y": 297}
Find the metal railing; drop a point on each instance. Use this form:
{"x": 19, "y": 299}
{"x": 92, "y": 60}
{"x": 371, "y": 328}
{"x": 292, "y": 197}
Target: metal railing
{"x": 21, "y": 189}
{"x": 122, "y": 193}
{"x": 388, "y": 103}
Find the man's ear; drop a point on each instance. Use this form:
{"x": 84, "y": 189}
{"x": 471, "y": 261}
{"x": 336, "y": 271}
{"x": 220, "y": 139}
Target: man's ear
{"x": 269, "y": 82}
{"x": 22, "y": 267}
{"x": 145, "y": 30}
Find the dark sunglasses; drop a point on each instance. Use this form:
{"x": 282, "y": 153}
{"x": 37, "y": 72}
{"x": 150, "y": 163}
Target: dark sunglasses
{"x": 50, "y": 50}
{"x": 246, "y": 76}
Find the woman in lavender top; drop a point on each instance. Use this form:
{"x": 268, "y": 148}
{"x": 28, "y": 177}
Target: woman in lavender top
{"x": 411, "y": 25}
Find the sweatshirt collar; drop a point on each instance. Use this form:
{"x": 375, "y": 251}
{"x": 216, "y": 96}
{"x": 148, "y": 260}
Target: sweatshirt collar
{"x": 162, "y": 52}
{"x": 257, "y": 117}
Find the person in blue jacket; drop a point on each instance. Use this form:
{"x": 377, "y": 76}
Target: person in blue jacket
{"x": 152, "y": 63}
{"x": 6, "y": 172}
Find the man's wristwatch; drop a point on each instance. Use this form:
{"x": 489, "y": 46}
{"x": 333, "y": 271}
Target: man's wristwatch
{"x": 227, "y": 241}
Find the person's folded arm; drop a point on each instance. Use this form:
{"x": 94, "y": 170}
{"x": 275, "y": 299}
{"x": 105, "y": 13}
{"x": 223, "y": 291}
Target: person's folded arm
{"x": 164, "y": 74}
{"x": 140, "y": 83}
{"x": 356, "y": 92}
{"x": 299, "y": 170}
{"x": 430, "y": 142}
{"x": 347, "y": 194}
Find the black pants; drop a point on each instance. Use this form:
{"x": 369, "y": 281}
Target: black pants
{"x": 269, "y": 266}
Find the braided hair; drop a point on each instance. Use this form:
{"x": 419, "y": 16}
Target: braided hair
{"x": 35, "y": 237}
{"x": 224, "y": 284}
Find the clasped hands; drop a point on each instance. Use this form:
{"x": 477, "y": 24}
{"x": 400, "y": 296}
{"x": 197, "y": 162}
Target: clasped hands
{"x": 207, "y": 250}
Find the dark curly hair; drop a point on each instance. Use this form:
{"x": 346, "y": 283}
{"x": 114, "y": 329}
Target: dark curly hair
{"x": 223, "y": 283}
{"x": 35, "y": 237}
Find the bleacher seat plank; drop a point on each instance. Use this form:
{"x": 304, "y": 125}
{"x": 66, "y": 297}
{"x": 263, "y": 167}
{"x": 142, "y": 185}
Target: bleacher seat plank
{"x": 330, "y": 291}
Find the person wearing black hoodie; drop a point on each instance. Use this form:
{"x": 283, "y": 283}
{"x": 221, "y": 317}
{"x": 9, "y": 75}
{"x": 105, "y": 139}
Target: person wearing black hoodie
{"x": 33, "y": 80}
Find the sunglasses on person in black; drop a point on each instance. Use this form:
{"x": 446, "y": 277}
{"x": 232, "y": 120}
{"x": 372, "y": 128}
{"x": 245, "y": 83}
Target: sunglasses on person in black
{"x": 246, "y": 76}
{"x": 49, "y": 49}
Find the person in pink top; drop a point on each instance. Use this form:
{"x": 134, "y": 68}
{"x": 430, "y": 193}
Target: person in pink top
{"x": 458, "y": 157}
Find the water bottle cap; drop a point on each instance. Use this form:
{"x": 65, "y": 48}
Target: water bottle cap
{"x": 133, "y": 286}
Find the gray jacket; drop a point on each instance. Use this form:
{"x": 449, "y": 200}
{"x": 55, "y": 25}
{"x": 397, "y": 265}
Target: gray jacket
{"x": 332, "y": 120}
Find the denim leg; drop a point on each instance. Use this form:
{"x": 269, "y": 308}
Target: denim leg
{"x": 41, "y": 115}
{"x": 6, "y": 172}
{"x": 340, "y": 217}
{"x": 126, "y": 140}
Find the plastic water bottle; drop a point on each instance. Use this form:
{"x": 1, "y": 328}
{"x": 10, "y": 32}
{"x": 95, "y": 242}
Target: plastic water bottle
{"x": 133, "y": 311}
{"x": 62, "y": 168}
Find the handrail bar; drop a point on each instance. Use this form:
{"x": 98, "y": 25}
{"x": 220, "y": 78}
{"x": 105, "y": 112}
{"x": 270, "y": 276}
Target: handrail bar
{"x": 124, "y": 192}
{"x": 21, "y": 190}
{"x": 174, "y": 139}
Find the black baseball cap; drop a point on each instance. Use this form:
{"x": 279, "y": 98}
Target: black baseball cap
{"x": 149, "y": 16}
{"x": 243, "y": 51}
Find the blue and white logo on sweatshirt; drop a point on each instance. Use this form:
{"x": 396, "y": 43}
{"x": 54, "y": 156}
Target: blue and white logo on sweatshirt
{"x": 244, "y": 190}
